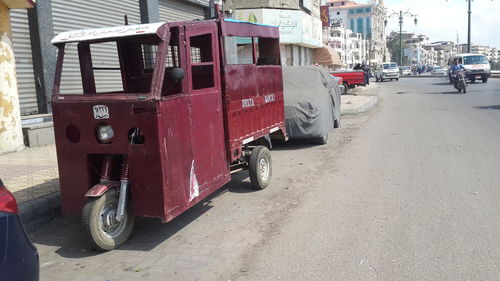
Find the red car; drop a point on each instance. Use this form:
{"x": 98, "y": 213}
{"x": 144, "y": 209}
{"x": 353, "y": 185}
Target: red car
{"x": 350, "y": 78}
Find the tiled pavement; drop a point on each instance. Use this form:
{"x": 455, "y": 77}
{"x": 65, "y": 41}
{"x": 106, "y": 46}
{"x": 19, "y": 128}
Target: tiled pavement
{"x": 30, "y": 173}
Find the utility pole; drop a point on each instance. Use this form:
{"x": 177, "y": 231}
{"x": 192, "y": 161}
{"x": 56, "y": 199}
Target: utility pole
{"x": 400, "y": 38}
{"x": 468, "y": 32}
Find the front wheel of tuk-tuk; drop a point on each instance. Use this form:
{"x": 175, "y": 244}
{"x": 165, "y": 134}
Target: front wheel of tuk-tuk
{"x": 99, "y": 220}
{"x": 259, "y": 167}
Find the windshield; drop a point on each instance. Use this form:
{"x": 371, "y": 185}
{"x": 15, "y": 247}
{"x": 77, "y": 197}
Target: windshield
{"x": 111, "y": 67}
{"x": 475, "y": 60}
{"x": 390, "y": 65}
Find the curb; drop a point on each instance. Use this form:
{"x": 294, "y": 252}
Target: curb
{"x": 40, "y": 210}
{"x": 362, "y": 109}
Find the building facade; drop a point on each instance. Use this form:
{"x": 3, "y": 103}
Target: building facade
{"x": 299, "y": 23}
{"x": 351, "y": 47}
{"x": 11, "y": 137}
{"x": 365, "y": 19}
{"x": 33, "y": 30}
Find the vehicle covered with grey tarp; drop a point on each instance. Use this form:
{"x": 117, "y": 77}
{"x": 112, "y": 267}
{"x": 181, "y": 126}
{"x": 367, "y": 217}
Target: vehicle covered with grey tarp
{"x": 312, "y": 102}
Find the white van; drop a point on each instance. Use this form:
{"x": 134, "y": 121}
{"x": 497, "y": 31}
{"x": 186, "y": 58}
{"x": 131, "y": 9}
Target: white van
{"x": 386, "y": 71}
{"x": 476, "y": 66}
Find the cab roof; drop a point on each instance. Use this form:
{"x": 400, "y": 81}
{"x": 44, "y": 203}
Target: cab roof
{"x": 95, "y": 34}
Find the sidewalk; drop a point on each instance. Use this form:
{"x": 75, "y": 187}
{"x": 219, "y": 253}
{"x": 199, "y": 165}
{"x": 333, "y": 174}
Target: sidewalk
{"x": 32, "y": 174}
{"x": 359, "y": 100}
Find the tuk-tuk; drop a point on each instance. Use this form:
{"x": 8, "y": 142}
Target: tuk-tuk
{"x": 189, "y": 103}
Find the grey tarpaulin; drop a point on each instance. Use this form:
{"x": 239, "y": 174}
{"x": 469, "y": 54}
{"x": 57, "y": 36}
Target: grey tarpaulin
{"x": 312, "y": 101}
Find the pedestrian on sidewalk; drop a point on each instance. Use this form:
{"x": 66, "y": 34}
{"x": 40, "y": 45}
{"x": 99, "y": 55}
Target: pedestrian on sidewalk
{"x": 366, "y": 70}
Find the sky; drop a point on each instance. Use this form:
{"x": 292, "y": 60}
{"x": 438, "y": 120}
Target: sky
{"x": 440, "y": 20}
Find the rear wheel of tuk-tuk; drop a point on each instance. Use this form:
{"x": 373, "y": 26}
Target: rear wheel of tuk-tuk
{"x": 99, "y": 220}
{"x": 259, "y": 167}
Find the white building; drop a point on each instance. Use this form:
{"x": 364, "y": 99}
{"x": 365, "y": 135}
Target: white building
{"x": 351, "y": 47}
{"x": 365, "y": 19}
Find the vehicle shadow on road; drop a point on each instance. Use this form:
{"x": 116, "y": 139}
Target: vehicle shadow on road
{"x": 68, "y": 236}
{"x": 293, "y": 144}
{"x": 442, "y": 93}
{"x": 494, "y": 107}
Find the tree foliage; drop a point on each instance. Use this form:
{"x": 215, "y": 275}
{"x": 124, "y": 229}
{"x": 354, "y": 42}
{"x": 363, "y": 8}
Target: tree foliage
{"x": 393, "y": 47}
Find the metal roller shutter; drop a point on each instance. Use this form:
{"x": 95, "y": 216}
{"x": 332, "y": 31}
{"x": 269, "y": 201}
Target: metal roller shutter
{"x": 25, "y": 74}
{"x": 175, "y": 10}
{"x": 80, "y": 14}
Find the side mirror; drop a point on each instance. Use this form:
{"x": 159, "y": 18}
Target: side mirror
{"x": 177, "y": 74}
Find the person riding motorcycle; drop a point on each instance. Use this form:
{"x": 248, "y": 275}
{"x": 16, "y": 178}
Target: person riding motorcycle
{"x": 456, "y": 67}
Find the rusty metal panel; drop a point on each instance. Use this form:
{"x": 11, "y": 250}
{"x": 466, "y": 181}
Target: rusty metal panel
{"x": 232, "y": 27}
{"x": 254, "y": 103}
{"x": 75, "y": 154}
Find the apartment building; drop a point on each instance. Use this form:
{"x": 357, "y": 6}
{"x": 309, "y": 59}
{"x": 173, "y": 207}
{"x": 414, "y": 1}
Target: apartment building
{"x": 364, "y": 19}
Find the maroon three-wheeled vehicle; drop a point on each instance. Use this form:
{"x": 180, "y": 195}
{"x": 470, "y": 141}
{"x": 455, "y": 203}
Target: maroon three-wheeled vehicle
{"x": 189, "y": 103}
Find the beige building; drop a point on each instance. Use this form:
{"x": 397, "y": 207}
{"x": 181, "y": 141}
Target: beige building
{"x": 298, "y": 21}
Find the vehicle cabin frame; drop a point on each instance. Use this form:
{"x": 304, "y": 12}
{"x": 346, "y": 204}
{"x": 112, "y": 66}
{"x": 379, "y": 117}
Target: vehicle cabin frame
{"x": 195, "y": 101}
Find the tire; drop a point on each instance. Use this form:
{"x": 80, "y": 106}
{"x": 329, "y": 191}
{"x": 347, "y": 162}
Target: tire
{"x": 336, "y": 123}
{"x": 346, "y": 88}
{"x": 485, "y": 79}
{"x": 101, "y": 207}
{"x": 376, "y": 79}
{"x": 464, "y": 87}
{"x": 473, "y": 80}
{"x": 381, "y": 79}
{"x": 397, "y": 79}
{"x": 451, "y": 80}
{"x": 322, "y": 140}
{"x": 260, "y": 167}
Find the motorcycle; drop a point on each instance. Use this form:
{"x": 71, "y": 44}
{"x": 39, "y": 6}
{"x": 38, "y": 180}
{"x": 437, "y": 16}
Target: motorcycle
{"x": 459, "y": 81}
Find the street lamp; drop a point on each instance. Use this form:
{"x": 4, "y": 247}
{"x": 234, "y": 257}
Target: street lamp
{"x": 401, "y": 15}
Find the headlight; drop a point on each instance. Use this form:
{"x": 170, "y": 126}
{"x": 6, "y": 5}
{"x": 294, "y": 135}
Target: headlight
{"x": 105, "y": 132}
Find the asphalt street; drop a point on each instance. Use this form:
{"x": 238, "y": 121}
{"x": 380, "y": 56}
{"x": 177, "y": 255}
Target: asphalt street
{"x": 409, "y": 191}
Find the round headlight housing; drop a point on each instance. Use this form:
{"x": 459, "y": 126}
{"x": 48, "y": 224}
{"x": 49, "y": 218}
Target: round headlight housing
{"x": 104, "y": 132}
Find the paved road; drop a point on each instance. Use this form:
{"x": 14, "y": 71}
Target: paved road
{"x": 407, "y": 192}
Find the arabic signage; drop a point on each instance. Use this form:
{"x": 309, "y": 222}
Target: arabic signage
{"x": 296, "y": 27}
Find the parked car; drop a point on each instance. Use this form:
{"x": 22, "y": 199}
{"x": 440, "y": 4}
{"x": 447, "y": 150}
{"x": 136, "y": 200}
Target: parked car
{"x": 18, "y": 256}
{"x": 437, "y": 70}
{"x": 477, "y": 67}
{"x": 405, "y": 70}
{"x": 312, "y": 103}
{"x": 386, "y": 71}
{"x": 351, "y": 78}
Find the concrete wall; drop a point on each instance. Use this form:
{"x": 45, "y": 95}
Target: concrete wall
{"x": 11, "y": 137}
